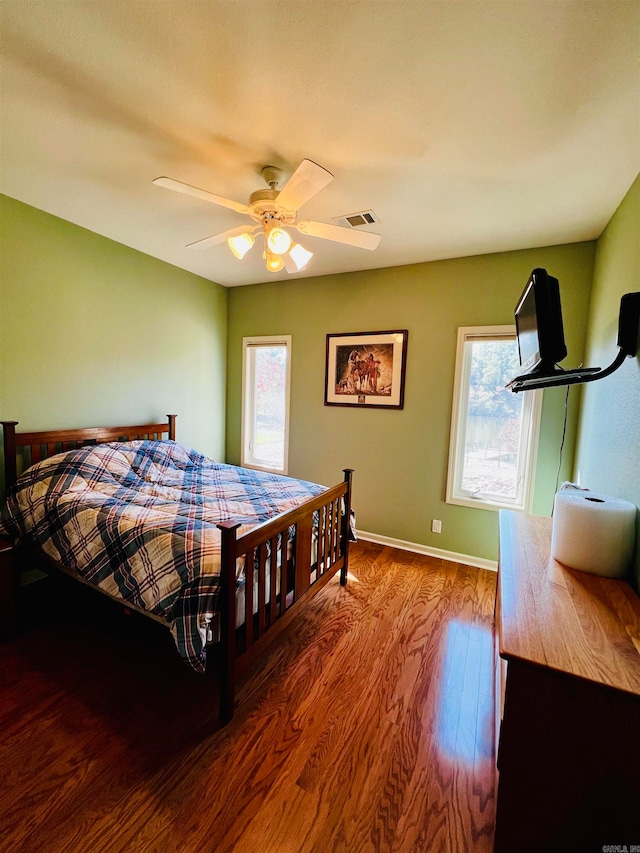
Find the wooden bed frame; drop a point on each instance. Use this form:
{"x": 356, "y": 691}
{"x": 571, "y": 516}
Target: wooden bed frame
{"x": 239, "y": 645}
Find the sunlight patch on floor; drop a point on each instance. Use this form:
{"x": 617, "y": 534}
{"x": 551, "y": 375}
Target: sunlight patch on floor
{"x": 465, "y": 713}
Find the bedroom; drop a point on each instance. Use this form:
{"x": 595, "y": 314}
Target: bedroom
{"x": 131, "y": 336}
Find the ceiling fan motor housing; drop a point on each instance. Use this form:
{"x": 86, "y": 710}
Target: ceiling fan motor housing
{"x": 263, "y": 195}
{"x": 263, "y": 204}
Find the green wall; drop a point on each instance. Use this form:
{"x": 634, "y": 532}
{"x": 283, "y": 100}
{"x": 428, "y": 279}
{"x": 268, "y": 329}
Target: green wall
{"x": 608, "y": 449}
{"x": 94, "y": 333}
{"x": 400, "y": 457}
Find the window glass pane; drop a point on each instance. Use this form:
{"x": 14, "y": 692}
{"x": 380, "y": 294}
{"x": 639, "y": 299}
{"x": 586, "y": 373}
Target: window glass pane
{"x": 492, "y": 422}
{"x": 269, "y": 409}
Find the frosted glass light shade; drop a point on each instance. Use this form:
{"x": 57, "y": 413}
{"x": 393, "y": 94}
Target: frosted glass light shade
{"x": 278, "y": 241}
{"x": 240, "y": 245}
{"x": 300, "y": 256}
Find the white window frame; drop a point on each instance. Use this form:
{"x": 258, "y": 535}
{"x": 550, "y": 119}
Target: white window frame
{"x": 249, "y": 345}
{"x": 531, "y": 414}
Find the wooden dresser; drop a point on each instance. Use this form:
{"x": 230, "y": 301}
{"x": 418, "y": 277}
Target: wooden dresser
{"x": 567, "y": 700}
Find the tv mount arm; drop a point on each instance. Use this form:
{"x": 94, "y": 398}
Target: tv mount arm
{"x": 628, "y": 326}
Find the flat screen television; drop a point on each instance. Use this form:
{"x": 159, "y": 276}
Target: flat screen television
{"x": 539, "y": 328}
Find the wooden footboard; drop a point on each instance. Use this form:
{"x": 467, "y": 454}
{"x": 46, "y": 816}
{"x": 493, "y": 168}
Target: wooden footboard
{"x": 298, "y": 568}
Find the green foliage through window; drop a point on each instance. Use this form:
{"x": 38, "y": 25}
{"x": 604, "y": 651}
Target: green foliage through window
{"x": 493, "y": 364}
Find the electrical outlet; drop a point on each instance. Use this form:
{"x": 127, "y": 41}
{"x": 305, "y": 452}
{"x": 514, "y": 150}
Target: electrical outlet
{"x": 436, "y": 525}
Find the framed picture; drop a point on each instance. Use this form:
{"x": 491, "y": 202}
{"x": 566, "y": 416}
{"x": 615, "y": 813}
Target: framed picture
{"x": 366, "y": 369}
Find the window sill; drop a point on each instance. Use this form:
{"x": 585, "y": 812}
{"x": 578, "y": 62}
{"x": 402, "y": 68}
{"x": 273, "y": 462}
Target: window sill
{"x": 255, "y": 466}
{"x": 484, "y": 503}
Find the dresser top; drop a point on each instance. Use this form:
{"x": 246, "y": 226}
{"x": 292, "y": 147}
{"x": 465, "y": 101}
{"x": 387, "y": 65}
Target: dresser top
{"x": 561, "y": 618}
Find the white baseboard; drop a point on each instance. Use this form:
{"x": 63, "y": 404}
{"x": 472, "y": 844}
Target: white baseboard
{"x": 438, "y": 553}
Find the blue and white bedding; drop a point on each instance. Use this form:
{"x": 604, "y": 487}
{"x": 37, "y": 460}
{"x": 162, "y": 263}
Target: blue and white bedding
{"x": 138, "y": 520}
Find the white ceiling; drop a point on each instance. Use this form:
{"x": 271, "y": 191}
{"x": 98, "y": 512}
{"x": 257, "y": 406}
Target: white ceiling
{"x": 468, "y": 127}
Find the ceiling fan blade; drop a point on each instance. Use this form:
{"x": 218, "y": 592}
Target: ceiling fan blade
{"x": 208, "y": 242}
{"x": 307, "y": 180}
{"x": 178, "y": 186}
{"x": 361, "y": 239}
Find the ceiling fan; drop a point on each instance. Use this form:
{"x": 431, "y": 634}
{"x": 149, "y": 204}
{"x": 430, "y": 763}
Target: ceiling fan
{"x": 275, "y": 211}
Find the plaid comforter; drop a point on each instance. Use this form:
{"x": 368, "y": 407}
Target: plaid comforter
{"x": 138, "y": 519}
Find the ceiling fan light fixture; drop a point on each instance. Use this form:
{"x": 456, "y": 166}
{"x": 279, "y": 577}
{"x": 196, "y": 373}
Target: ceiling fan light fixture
{"x": 274, "y": 262}
{"x": 240, "y": 245}
{"x": 279, "y": 241}
{"x": 300, "y": 256}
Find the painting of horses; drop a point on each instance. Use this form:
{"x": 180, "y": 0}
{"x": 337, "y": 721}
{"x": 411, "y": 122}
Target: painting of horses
{"x": 366, "y": 369}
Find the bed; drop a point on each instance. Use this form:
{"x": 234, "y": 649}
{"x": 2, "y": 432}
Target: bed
{"x": 223, "y": 556}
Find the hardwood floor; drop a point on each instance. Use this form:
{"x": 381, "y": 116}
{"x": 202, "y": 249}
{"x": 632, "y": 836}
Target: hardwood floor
{"x": 368, "y": 728}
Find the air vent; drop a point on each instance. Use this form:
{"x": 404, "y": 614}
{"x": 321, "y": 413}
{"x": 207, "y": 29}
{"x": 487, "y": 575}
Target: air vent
{"x": 355, "y": 220}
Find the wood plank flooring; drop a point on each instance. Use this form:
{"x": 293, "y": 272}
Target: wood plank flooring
{"x": 369, "y": 728}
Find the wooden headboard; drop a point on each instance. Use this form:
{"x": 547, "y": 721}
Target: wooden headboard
{"x": 34, "y": 446}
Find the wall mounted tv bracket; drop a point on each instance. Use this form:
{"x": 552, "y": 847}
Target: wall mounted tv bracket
{"x": 628, "y": 325}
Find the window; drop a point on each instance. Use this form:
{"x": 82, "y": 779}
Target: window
{"x": 494, "y": 432}
{"x": 265, "y": 402}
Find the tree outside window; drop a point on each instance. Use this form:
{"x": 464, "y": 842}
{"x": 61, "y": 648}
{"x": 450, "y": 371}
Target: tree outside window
{"x": 265, "y": 413}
